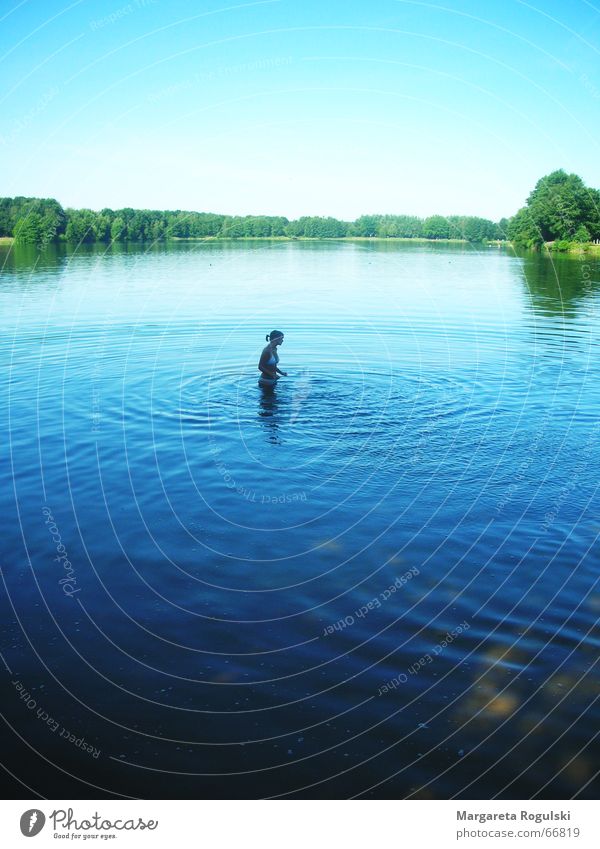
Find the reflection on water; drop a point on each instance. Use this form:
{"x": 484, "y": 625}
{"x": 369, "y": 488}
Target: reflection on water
{"x": 269, "y": 405}
{"x": 559, "y": 284}
{"x": 378, "y": 579}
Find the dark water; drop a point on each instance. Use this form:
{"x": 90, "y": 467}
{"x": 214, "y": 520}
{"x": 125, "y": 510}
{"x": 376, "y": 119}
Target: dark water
{"x": 379, "y": 581}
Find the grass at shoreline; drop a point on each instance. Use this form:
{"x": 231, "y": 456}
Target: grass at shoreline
{"x": 8, "y": 240}
{"x": 574, "y": 248}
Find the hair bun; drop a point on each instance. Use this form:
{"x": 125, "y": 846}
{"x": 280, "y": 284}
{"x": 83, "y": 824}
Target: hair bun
{"x": 267, "y": 337}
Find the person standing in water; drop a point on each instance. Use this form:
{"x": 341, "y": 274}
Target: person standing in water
{"x": 269, "y": 370}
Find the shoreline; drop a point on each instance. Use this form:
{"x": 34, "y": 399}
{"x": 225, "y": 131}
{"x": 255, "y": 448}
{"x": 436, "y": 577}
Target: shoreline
{"x": 309, "y": 239}
{"x": 574, "y": 248}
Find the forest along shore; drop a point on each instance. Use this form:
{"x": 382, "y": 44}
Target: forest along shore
{"x": 561, "y": 212}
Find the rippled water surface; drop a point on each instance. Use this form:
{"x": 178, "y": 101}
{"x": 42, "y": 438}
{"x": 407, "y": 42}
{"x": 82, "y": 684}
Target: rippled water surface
{"x": 378, "y": 580}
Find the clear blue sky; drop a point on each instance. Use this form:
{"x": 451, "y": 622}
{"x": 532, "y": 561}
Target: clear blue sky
{"x": 292, "y": 107}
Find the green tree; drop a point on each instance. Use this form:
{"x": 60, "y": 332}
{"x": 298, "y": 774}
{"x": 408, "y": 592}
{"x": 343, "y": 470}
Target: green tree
{"x": 582, "y": 234}
{"x": 559, "y": 204}
{"x": 502, "y": 227}
{"x": 479, "y": 229}
{"x": 278, "y": 225}
{"x": 117, "y": 229}
{"x": 409, "y": 226}
{"x": 366, "y": 225}
{"x": 522, "y": 229}
{"x": 180, "y": 226}
{"x": 32, "y": 220}
{"x": 81, "y": 226}
{"x": 387, "y": 227}
{"x": 158, "y": 229}
{"x": 102, "y": 226}
{"x": 28, "y": 229}
{"x": 436, "y": 227}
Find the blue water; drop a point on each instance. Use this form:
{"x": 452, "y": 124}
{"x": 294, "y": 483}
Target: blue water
{"x": 378, "y": 581}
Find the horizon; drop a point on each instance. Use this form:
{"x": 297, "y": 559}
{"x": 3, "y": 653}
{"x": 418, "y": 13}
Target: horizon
{"x": 275, "y": 109}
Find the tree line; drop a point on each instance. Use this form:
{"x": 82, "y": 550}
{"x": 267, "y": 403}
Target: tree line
{"x": 560, "y": 209}
{"x": 41, "y": 221}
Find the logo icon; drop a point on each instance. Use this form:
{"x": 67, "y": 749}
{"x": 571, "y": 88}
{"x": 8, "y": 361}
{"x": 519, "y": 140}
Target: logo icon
{"x": 32, "y": 822}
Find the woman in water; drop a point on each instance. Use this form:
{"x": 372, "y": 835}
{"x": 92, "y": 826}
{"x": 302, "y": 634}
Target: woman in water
{"x": 269, "y": 358}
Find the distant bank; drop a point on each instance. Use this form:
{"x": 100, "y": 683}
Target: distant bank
{"x": 560, "y": 211}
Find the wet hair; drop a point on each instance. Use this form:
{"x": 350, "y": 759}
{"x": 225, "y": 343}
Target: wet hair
{"x": 274, "y": 334}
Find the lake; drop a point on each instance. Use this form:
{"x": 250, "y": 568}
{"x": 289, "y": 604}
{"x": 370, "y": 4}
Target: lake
{"x": 379, "y": 580}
